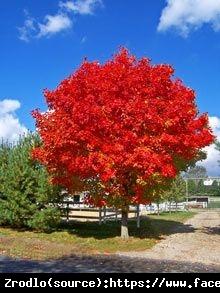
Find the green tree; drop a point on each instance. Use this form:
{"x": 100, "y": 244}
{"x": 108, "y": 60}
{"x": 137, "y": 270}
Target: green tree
{"x": 176, "y": 193}
{"x": 201, "y": 188}
{"x": 158, "y": 201}
{"x": 214, "y": 189}
{"x": 192, "y": 187}
{"x": 27, "y": 199}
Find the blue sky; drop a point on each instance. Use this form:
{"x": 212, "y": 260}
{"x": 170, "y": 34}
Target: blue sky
{"x": 43, "y": 41}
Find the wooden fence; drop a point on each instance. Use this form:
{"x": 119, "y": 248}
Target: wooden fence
{"x": 79, "y": 211}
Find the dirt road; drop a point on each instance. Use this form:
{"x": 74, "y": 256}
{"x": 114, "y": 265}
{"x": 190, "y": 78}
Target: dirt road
{"x": 197, "y": 242}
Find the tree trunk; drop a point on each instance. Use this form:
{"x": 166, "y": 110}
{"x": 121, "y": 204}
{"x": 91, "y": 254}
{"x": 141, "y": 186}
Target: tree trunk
{"x": 170, "y": 207}
{"x": 124, "y": 224}
{"x": 138, "y": 216}
{"x": 158, "y": 209}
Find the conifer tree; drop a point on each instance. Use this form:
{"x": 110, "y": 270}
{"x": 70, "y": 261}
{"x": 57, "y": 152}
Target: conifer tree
{"x": 27, "y": 199}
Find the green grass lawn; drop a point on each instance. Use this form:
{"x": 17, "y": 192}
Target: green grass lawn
{"x": 89, "y": 238}
{"x": 214, "y": 205}
{"x": 214, "y": 202}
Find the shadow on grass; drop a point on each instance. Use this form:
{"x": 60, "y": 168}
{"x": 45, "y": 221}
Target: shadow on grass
{"x": 102, "y": 264}
{"x": 150, "y": 228}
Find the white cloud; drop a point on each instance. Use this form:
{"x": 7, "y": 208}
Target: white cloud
{"x": 211, "y": 163}
{"x": 189, "y": 15}
{"x": 10, "y": 126}
{"x": 81, "y": 6}
{"x": 8, "y": 106}
{"x": 58, "y": 22}
{"x": 28, "y": 28}
{"x": 54, "y": 24}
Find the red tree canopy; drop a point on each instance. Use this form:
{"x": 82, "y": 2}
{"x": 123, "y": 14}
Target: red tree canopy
{"x": 126, "y": 127}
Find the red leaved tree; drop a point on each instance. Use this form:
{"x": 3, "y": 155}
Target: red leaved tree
{"x": 120, "y": 131}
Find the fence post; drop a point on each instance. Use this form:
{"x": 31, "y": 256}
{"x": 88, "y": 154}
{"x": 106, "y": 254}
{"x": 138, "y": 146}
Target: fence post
{"x": 67, "y": 212}
{"x": 187, "y": 190}
{"x": 104, "y": 214}
{"x": 138, "y": 216}
{"x": 100, "y": 216}
{"x": 116, "y": 214}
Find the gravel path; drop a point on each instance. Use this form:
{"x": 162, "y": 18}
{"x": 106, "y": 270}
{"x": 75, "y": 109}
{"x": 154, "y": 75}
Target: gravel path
{"x": 197, "y": 242}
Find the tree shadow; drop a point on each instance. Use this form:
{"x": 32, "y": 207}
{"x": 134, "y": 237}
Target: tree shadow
{"x": 103, "y": 264}
{"x": 212, "y": 230}
{"x": 150, "y": 228}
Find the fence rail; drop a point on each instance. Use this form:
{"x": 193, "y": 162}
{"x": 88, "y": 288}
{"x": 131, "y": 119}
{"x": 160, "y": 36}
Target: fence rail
{"x": 70, "y": 209}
